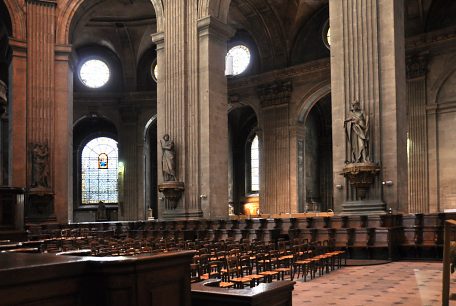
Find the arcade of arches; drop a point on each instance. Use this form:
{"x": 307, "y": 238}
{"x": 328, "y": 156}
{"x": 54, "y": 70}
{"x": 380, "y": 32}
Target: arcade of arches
{"x": 263, "y": 133}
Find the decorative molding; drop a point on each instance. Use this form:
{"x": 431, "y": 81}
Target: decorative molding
{"x": 429, "y": 39}
{"x": 280, "y": 75}
{"x": 43, "y": 2}
{"x": 416, "y": 65}
{"x": 212, "y": 26}
{"x": 19, "y": 47}
{"x": 275, "y": 93}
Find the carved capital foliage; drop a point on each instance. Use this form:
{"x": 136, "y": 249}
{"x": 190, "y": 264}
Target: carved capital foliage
{"x": 275, "y": 93}
{"x": 417, "y": 65}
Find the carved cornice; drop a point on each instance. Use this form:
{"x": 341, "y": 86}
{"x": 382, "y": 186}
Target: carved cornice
{"x": 417, "y": 65}
{"x": 275, "y": 93}
{"x": 212, "y": 26}
{"x": 159, "y": 39}
{"x": 427, "y": 40}
{"x": 323, "y": 65}
{"x": 43, "y": 2}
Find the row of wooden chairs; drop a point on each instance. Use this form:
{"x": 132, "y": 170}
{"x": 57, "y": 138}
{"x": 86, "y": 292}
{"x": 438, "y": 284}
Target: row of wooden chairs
{"x": 261, "y": 263}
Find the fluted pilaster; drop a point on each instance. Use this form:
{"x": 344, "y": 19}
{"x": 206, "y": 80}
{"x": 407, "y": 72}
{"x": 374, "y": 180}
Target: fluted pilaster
{"x": 367, "y": 64}
{"x": 192, "y": 106}
{"x": 275, "y": 185}
{"x": 417, "y": 134}
{"x": 40, "y": 77}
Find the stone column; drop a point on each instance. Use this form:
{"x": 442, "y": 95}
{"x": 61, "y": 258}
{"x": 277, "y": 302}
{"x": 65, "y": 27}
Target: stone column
{"x": 4, "y": 131}
{"x": 192, "y": 107}
{"x": 128, "y": 203}
{"x": 275, "y": 186}
{"x": 18, "y": 120}
{"x": 368, "y": 64}
{"x": 213, "y": 103}
{"x": 63, "y": 143}
{"x": 46, "y": 202}
{"x": 417, "y": 134}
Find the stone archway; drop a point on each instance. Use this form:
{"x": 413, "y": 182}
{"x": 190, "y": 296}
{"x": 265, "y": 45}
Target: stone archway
{"x": 314, "y": 150}
{"x": 66, "y": 18}
{"x": 17, "y": 19}
{"x": 151, "y": 167}
{"x": 215, "y": 8}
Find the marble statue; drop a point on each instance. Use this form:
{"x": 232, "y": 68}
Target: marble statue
{"x": 168, "y": 159}
{"x": 357, "y": 127}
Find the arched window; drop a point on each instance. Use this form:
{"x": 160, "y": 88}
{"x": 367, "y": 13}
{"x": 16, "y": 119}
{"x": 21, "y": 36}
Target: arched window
{"x": 99, "y": 162}
{"x": 254, "y": 166}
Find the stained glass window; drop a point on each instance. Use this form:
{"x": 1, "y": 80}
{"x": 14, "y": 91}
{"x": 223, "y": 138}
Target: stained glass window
{"x": 237, "y": 60}
{"x": 255, "y": 165}
{"x": 99, "y": 163}
{"x": 103, "y": 161}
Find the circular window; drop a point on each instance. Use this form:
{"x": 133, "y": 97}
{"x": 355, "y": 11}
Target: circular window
{"x": 327, "y": 35}
{"x": 154, "y": 70}
{"x": 94, "y": 73}
{"x": 237, "y": 60}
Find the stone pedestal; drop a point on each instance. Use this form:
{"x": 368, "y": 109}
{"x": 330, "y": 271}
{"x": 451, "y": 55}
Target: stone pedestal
{"x": 172, "y": 192}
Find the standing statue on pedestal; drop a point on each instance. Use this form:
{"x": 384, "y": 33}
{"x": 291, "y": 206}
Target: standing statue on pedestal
{"x": 357, "y": 128}
{"x": 171, "y": 188}
{"x": 168, "y": 159}
{"x": 40, "y": 157}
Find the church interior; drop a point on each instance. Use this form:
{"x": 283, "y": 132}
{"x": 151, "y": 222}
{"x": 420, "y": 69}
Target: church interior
{"x": 224, "y": 152}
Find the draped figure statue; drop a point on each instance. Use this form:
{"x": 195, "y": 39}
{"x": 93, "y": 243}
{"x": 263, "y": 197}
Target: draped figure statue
{"x": 168, "y": 159}
{"x": 357, "y": 128}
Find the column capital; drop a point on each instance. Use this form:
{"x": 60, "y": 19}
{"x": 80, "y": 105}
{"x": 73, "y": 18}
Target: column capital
{"x": 275, "y": 93}
{"x": 19, "y": 47}
{"x": 417, "y": 65}
{"x": 62, "y": 52}
{"x": 43, "y": 2}
{"x": 159, "y": 39}
{"x": 212, "y": 26}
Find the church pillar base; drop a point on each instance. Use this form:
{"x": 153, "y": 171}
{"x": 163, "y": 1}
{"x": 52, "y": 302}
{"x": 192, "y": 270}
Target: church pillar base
{"x": 369, "y": 207}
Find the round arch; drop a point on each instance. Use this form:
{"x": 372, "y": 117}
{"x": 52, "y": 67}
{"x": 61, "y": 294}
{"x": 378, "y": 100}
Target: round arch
{"x": 150, "y": 167}
{"x": 441, "y": 80}
{"x": 16, "y": 14}
{"x": 215, "y": 8}
{"x": 316, "y": 94}
{"x": 67, "y": 14}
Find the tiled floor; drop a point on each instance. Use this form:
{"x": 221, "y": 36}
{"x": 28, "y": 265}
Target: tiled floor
{"x": 396, "y": 283}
